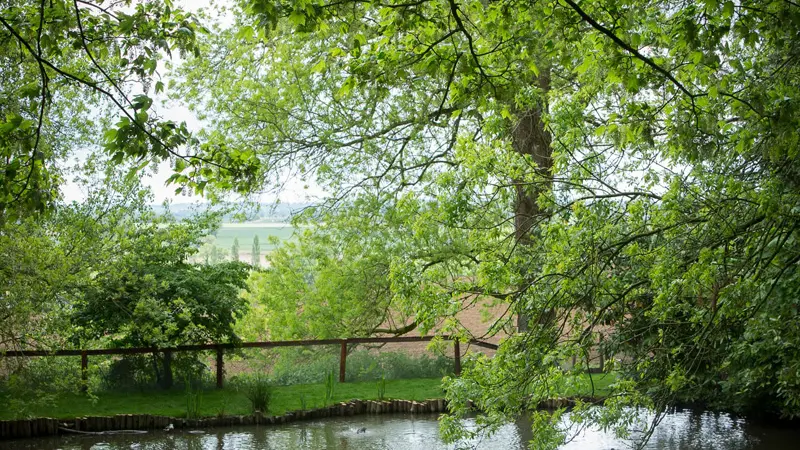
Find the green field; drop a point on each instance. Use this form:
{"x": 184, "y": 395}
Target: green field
{"x": 245, "y": 232}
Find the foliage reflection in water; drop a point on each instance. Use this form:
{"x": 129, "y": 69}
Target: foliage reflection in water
{"x": 678, "y": 431}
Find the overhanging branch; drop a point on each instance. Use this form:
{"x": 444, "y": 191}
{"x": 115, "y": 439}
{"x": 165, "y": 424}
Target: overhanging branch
{"x": 586, "y": 17}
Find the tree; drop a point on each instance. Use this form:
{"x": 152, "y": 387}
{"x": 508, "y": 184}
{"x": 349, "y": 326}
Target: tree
{"x": 255, "y": 253}
{"x": 83, "y": 75}
{"x": 150, "y": 295}
{"x": 36, "y": 273}
{"x": 52, "y": 257}
{"x": 235, "y": 249}
{"x": 108, "y": 271}
{"x": 624, "y": 171}
{"x": 331, "y": 282}
{"x": 68, "y": 67}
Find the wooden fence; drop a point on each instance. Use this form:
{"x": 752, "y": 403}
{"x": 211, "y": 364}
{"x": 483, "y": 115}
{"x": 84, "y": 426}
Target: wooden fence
{"x": 220, "y": 350}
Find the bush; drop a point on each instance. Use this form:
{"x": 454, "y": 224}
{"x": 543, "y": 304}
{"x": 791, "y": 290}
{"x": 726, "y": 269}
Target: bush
{"x": 258, "y": 390}
{"x": 30, "y": 383}
{"x": 365, "y": 366}
{"x": 135, "y": 372}
{"x": 303, "y": 366}
{"x": 128, "y": 372}
{"x": 311, "y": 366}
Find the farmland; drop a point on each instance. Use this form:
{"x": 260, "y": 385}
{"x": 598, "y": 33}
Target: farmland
{"x": 270, "y": 234}
{"x": 246, "y": 231}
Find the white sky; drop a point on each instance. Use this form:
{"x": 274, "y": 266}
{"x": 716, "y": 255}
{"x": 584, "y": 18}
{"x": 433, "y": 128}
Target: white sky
{"x": 293, "y": 191}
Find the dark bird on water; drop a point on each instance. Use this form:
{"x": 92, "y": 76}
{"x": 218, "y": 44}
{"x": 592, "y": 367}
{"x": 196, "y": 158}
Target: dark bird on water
{"x": 361, "y": 430}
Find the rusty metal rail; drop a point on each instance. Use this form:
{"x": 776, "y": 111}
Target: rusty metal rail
{"x": 221, "y": 347}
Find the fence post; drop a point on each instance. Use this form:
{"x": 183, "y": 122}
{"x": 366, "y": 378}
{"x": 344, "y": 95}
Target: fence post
{"x": 343, "y": 361}
{"x": 457, "y": 351}
{"x": 220, "y": 367}
{"x": 84, "y": 371}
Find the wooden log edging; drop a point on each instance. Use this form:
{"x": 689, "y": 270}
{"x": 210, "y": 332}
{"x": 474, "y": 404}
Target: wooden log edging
{"x": 43, "y": 427}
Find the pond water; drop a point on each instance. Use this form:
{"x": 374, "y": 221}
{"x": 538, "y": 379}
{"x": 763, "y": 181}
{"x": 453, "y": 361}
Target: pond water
{"x": 678, "y": 431}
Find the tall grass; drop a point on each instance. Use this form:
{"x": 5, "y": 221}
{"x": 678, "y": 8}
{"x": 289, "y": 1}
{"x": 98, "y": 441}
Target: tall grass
{"x": 259, "y": 391}
{"x": 193, "y": 399}
{"x": 330, "y": 385}
{"x": 382, "y": 388}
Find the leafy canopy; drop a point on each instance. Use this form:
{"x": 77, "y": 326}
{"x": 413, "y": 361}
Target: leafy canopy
{"x": 67, "y": 68}
{"x": 331, "y": 281}
{"x": 668, "y": 201}
{"x": 150, "y": 294}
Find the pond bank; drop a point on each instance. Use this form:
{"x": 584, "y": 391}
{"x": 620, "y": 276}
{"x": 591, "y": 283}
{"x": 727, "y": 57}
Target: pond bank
{"x": 42, "y": 427}
{"x": 685, "y": 430}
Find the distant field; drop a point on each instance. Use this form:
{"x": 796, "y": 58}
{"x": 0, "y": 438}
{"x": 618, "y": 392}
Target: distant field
{"x": 247, "y": 231}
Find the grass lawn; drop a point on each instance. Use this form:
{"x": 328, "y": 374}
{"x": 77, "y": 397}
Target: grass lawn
{"x": 230, "y": 401}
{"x": 600, "y": 381}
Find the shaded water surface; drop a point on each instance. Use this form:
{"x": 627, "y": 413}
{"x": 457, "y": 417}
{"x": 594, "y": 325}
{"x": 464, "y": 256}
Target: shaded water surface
{"x": 678, "y": 431}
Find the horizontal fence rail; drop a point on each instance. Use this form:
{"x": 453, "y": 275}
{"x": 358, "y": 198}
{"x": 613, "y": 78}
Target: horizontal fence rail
{"x": 230, "y": 346}
{"x": 221, "y": 347}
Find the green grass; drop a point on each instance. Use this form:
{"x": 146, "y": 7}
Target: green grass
{"x": 228, "y": 401}
{"x": 600, "y": 381}
{"x": 232, "y": 401}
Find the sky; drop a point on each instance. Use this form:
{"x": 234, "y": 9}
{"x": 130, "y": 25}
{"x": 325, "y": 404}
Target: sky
{"x": 293, "y": 191}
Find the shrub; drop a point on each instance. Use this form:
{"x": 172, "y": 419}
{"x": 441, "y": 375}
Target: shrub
{"x": 311, "y": 366}
{"x": 303, "y": 366}
{"x": 30, "y": 383}
{"x": 136, "y": 372}
{"x": 365, "y": 366}
{"x": 258, "y": 390}
{"x": 128, "y": 372}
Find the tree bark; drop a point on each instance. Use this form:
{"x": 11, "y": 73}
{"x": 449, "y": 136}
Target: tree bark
{"x": 167, "y": 382}
{"x": 155, "y": 361}
{"x": 529, "y": 137}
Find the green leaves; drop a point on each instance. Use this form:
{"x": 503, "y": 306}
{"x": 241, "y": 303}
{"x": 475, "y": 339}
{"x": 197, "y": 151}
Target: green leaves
{"x": 14, "y": 122}
{"x": 149, "y": 294}
{"x": 66, "y": 65}
{"x": 327, "y": 284}
{"x": 142, "y": 103}
{"x": 668, "y": 236}
{"x": 298, "y": 18}
{"x": 346, "y": 87}
{"x": 727, "y": 9}
{"x": 319, "y": 67}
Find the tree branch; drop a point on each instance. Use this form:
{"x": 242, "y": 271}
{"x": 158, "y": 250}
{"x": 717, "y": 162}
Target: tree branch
{"x": 627, "y": 47}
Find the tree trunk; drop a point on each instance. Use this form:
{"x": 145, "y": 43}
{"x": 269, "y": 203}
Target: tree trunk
{"x": 156, "y": 368}
{"x": 167, "y": 384}
{"x": 530, "y": 137}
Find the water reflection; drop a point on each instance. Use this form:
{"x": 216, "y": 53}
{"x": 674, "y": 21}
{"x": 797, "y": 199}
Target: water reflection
{"x": 685, "y": 430}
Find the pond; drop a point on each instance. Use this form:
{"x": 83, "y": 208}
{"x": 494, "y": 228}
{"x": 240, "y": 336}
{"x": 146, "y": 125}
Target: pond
{"x": 678, "y": 431}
